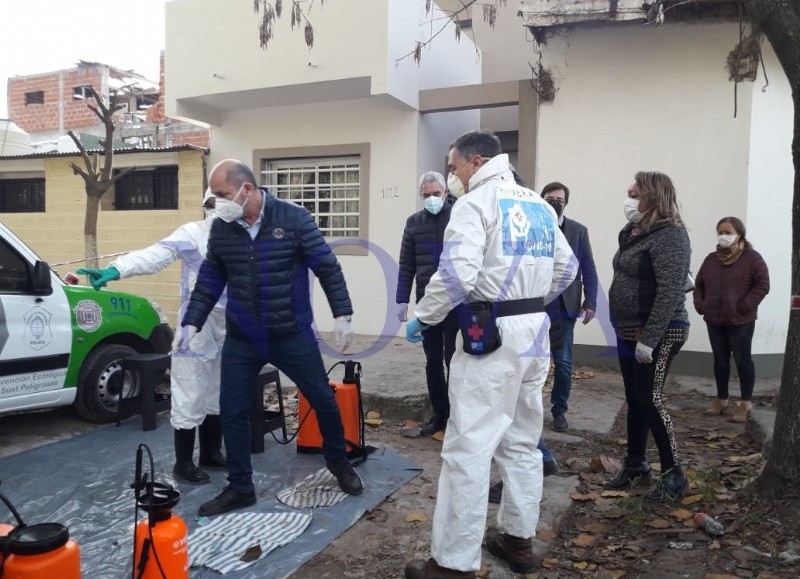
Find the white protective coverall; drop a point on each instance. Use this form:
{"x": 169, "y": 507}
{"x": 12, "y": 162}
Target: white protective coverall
{"x": 194, "y": 377}
{"x": 502, "y": 243}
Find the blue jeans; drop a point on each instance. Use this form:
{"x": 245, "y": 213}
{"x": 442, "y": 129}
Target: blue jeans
{"x": 297, "y": 356}
{"x": 547, "y": 454}
{"x": 562, "y": 376}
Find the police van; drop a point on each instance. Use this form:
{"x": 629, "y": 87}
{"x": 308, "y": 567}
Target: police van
{"x": 61, "y": 344}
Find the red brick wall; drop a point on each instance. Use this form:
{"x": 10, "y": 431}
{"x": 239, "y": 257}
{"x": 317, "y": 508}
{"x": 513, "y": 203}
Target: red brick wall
{"x": 198, "y": 137}
{"x": 58, "y": 103}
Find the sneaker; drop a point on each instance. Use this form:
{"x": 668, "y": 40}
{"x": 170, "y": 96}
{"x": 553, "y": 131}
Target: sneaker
{"x": 560, "y": 422}
{"x": 434, "y": 425}
{"x": 630, "y": 476}
{"x": 673, "y": 484}
{"x": 430, "y": 569}
{"x": 228, "y": 500}
{"x": 517, "y": 552}
{"x": 349, "y": 481}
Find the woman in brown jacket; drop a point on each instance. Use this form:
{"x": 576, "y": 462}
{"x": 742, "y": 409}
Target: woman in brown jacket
{"x": 730, "y": 284}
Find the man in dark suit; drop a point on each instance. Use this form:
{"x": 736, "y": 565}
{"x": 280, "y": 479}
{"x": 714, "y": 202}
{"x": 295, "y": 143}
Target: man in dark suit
{"x": 568, "y": 307}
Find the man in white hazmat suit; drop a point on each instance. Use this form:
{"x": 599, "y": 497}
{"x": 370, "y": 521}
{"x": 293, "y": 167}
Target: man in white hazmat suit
{"x": 504, "y": 257}
{"x": 194, "y": 376}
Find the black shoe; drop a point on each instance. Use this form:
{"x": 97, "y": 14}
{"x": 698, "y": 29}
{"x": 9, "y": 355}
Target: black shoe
{"x": 560, "y": 422}
{"x": 349, "y": 481}
{"x": 550, "y": 467}
{"x": 514, "y": 550}
{"x": 227, "y": 500}
{"x": 434, "y": 425}
{"x": 673, "y": 484}
{"x": 630, "y": 476}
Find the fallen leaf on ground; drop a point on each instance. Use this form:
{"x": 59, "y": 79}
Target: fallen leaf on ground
{"x": 603, "y": 463}
{"x": 658, "y": 524}
{"x": 719, "y": 576}
{"x": 690, "y": 500}
{"x": 618, "y": 494}
{"x": 613, "y": 573}
{"x": 580, "y": 565}
{"x": 416, "y": 517}
{"x": 373, "y": 421}
{"x": 377, "y": 516}
{"x": 373, "y": 414}
{"x": 682, "y": 514}
{"x": 549, "y": 563}
{"x": 576, "y": 496}
{"x": 438, "y": 436}
{"x": 714, "y": 545}
{"x": 592, "y": 526}
{"x": 545, "y": 535}
{"x": 584, "y": 540}
{"x": 411, "y": 423}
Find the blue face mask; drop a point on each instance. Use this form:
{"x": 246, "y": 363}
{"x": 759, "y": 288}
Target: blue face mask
{"x": 434, "y": 204}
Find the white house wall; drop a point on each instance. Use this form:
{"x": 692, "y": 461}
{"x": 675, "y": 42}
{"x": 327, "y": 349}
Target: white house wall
{"x": 770, "y": 185}
{"x": 391, "y": 130}
{"x": 632, "y": 98}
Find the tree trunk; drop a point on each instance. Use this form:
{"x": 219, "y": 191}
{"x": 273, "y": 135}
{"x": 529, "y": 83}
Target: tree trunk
{"x": 780, "y": 20}
{"x": 90, "y": 229}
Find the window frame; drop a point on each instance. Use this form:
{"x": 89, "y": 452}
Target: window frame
{"x": 314, "y": 154}
{"x": 154, "y": 188}
{"x": 30, "y": 100}
{"x": 38, "y": 180}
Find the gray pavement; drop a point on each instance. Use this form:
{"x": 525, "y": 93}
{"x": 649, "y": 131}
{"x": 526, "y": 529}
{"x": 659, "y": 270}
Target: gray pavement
{"x": 394, "y": 385}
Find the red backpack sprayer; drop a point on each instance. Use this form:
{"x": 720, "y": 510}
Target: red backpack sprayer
{"x": 160, "y": 548}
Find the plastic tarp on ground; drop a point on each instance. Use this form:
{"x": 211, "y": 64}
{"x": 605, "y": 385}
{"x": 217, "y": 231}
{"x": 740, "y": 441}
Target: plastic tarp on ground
{"x": 85, "y": 483}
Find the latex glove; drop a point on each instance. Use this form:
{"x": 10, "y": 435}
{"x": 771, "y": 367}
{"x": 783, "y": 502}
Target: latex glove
{"x": 99, "y": 277}
{"x": 414, "y": 329}
{"x": 343, "y": 333}
{"x": 644, "y": 354}
{"x": 180, "y": 345}
{"x": 402, "y": 312}
{"x": 588, "y": 315}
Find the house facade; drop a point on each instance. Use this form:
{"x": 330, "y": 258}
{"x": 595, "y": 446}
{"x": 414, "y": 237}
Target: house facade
{"x": 346, "y": 128}
{"x": 44, "y": 202}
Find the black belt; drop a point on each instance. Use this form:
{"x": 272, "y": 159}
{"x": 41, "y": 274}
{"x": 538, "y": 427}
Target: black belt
{"x": 512, "y": 307}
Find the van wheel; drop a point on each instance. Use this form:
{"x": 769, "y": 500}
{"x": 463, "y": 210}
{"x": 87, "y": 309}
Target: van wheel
{"x": 101, "y": 383}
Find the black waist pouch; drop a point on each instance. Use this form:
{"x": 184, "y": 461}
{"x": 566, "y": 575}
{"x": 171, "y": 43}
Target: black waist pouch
{"x": 478, "y": 323}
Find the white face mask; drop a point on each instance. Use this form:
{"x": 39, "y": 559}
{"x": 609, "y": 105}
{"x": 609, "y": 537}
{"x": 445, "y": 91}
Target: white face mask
{"x": 455, "y": 185}
{"x": 434, "y": 204}
{"x": 726, "y": 239}
{"x": 631, "y": 209}
{"x": 228, "y": 209}
{"x": 210, "y": 213}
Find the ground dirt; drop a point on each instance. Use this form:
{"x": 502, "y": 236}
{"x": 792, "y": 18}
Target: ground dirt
{"x": 600, "y": 535}
{"x": 597, "y": 536}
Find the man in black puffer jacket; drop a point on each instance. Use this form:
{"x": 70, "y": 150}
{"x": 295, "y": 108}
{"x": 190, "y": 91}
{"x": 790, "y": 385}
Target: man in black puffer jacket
{"x": 261, "y": 248}
{"x": 419, "y": 259}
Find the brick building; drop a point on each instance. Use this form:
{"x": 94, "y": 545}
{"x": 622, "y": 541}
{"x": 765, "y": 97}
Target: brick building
{"x": 47, "y": 105}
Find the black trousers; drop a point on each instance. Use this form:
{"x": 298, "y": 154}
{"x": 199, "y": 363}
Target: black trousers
{"x": 647, "y": 413}
{"x": 736, "y": 340}
{"x": 439, "y": 345}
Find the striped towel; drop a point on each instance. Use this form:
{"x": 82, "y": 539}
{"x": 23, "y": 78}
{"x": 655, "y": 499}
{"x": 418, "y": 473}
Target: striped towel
{"x": 220, "y": 544}
{"x": 320, "y": 489}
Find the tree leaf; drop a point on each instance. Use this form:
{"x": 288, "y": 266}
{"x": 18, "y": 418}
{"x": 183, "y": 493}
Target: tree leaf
{"x": 584, "y": 540}
{"x": 416, "y": 517}
{"x": 690, "y": 500}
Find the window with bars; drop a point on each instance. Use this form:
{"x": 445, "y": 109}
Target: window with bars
{"x": 22, "y": 195}
{"x": 330, "y": 188}
{"x": 153, "y": 188}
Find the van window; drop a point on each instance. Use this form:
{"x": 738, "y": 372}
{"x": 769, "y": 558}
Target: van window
{"x": 14, "y": 277}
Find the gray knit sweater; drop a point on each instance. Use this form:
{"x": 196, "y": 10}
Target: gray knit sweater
{"x": 650, "y": 271}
